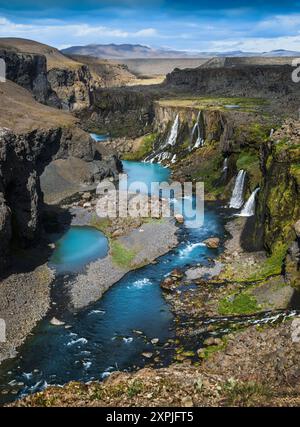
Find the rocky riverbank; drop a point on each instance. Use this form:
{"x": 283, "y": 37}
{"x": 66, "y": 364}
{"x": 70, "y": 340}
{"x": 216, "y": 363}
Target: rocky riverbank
{"x": 24, "y": 300}
{"x": 220, "y": 359}
{"x": 134, "y": 242}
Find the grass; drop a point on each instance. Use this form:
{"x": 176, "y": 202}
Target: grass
{"x": 209, "y": 351}
{"x": 247, "y": 161}
{"x": 242, "y": 303}
{"x": 101, "y": 224}
{"x": 245, "y": 394}
{"x": 215, "y": 103}
{"x": 121, "y": 256}
{"x": 273, "y": 264}
{"x": 144, "y": 149}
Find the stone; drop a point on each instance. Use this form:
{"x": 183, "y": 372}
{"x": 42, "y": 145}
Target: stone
{"x": 86, "y": 196}
{"x": 179, "y": 218}
{"x": 187, "y": 402}
{"x": 167, "y": 284}
{"x": 148, "y": 355}
{"x": 212, "y": 242}
{"x": 297, "y": 228}
{"x": 117, "y": 233}
{"x": 155, "y": 341}
{"x": 176, "y": 273}
{"x": 56, "y": 322}
{"x": 87, "y": 205}
{"x": 213, "y": 341}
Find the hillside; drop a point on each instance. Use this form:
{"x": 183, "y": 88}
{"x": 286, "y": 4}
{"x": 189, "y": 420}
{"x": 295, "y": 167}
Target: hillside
{"x": 110, "y": 73}
{"x": 55, "y": 59}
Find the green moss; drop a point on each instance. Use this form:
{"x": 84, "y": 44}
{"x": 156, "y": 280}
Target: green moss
{"x": 242, "y": 303}
{"x": 209, "y": 351}
{"x": 209, "y": 172}
{"x": 122, "y": 256}
{"x": 216, "y": 103}
{"x": 102, "y": 224}
{"x": 273, "y": 264}
{"x": 245, "y": 394}
{"x": 135, "y": 388}
{"x": 145, "y": 148}
{"x": 249, "y": 161}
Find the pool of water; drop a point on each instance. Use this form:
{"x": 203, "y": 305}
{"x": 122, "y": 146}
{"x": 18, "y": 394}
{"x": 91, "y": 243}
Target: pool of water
{"x": 78, "y": 247}
{"x": 102, "y": 337}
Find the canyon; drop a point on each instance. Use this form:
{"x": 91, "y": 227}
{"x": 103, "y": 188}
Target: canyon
{"x": 229, "y": 123}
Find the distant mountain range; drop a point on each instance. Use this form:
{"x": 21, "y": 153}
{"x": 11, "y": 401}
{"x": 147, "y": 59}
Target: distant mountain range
{"x": 126, "y": 51}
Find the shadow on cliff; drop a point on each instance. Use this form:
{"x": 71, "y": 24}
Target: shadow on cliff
{"x": 55, "y": 222}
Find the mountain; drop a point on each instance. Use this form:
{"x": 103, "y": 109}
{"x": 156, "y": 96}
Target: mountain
{"x": 115, "y": 51}
{"x": 137, "y": 51}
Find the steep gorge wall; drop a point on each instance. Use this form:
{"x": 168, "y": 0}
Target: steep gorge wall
{"x": 73, "y": 86}
{"x": 119, "y": 112}
{"x": 30, "y": 72}
{"x": 22, "y": 160}
{"x": 271, "y": 163}
{"x": 269, "y": 81}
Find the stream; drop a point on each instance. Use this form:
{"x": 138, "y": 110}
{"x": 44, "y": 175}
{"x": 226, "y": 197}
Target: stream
{"x": 112, "y": 333}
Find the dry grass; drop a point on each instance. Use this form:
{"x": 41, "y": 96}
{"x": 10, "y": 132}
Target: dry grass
{"x": 19, "y": 111}
{"x": 55, "y": 59}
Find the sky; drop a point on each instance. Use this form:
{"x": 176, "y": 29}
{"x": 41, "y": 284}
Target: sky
{"x": 208, "y": 25}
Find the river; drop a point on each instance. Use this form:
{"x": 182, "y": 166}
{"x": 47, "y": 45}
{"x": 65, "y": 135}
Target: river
{"x": 112, "y": 333}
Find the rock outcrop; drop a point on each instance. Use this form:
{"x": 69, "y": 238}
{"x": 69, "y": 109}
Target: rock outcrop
{"x": 119, "y": 112}
{"x": 33, "y": 135}
{"x": 30, "y": 71}
{"x": 246, "y": 80}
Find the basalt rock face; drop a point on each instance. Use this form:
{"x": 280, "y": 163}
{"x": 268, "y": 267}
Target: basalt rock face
{"x": 278, "y": 208}
{"x": 23, "y": 158}
{"x": 249, "y": 81}
{"x": 72, "y": 86}
{"x": 30, "y": 71}
{"x": 120, "y": 112}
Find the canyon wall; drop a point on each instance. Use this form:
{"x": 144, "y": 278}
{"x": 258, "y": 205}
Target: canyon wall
{"x": 119, "y": 112}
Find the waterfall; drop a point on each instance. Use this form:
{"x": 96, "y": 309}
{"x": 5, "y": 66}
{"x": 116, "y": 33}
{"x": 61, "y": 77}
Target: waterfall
{"x": 237, "y": 198}
{"x": 271, "y": 133}
{"x": 199, "y": 141}
{"x": 174, "y": 132}
{"x": 225, "y": 165}
{"x": 249, "y": 208}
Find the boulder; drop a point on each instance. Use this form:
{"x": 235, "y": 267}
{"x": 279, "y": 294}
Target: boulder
{"x": 168, "y": 284}
{"x": 56, "y": 322}
{"x": 212, "y": 242}
{"x": 176, "y": 273}
{"x": 179, "y": 218}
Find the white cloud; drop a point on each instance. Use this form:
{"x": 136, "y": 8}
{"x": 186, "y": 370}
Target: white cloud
{"x": 59, "y": 30}
{"x": 257, "y": 44}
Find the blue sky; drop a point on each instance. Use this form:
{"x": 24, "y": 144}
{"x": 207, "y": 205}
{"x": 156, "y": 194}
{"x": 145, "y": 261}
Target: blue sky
{"x": 209, "y": 25}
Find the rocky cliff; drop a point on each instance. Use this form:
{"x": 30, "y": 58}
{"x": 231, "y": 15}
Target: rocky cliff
{"x": 33, "y": 135}
{"x": 120, "y": 112}
{"x": 29, "y": 71}
{"x": 269, "y": 81}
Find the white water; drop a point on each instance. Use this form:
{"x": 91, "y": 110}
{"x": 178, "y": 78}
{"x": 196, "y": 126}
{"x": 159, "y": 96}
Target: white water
{"x": 200, "y": 141}
{"x": 249, "y": 208}
{"x": 174, "y": 132}
{"x": 225, "y": 165}
{"x": 237, "y": 198}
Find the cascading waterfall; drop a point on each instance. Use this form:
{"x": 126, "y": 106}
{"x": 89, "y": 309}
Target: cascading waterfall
{"x": 249, "y": 208}
{"x": 199, "y": 141}
{"x": 237, "y": 198}
{"x": 174, "y": 132}
{"x": 225, "y": 165}
{"x": 162, "y": 153}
